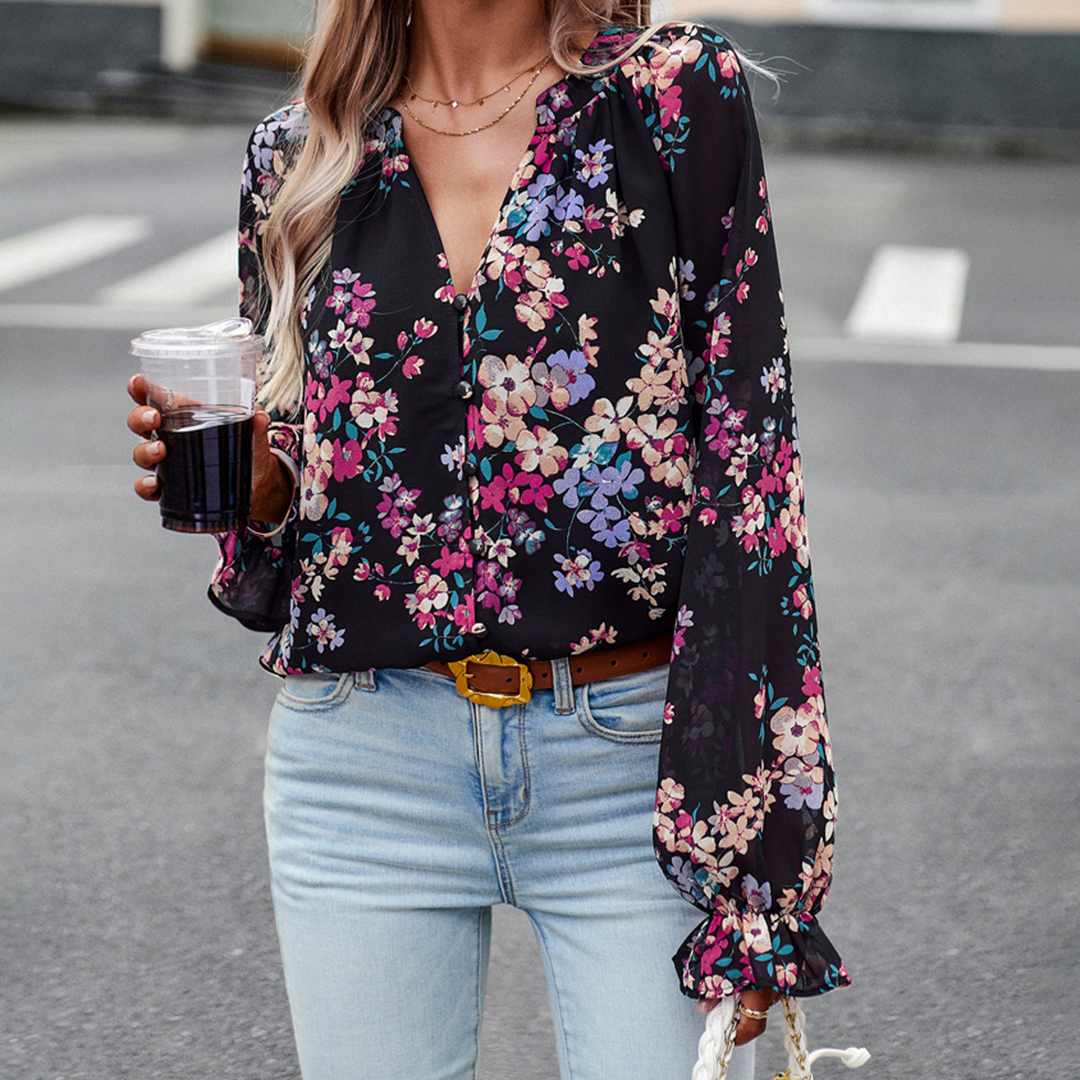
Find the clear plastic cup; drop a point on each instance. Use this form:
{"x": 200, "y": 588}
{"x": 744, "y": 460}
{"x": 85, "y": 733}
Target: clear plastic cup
{"x": 202, "y": 381}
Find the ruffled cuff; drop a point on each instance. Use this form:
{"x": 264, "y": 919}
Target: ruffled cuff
{"x": 251, "y": 582}
{"x": 737, "y": 950}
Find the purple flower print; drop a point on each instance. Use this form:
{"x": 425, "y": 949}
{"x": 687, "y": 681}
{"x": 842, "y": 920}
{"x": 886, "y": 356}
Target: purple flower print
{"x": 325, "y": 633}
{"x": 580, "y": 571}
{"x": 594, "y": 165}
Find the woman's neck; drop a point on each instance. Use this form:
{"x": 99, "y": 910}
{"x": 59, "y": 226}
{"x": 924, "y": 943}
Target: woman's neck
{"x": 462, "y": 48}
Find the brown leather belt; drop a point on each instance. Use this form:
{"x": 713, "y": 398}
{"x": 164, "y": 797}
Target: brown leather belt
{"x": 492, "y": 679}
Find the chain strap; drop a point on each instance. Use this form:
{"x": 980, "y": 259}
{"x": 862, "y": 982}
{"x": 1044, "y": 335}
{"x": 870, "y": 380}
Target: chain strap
{"x": 718, "y": 1042}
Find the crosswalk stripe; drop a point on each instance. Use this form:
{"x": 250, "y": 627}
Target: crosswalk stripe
{"x": 911, "y": 294}
{"x": 189, "y": 278}
{"x": 49, "y": 250}
{"x": 968, "y": 354}
{"x": 132, "y": 318}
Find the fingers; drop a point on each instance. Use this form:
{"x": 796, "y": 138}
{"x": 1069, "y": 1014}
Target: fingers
{"x": 137, "y": 389}
{"x": 146, "y": 487}
{"x": 144, "y": 421}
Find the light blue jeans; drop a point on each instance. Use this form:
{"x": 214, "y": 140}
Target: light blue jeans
{"x": 398, "y": 813}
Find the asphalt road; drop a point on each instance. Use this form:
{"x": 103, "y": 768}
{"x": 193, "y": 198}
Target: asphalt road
{"x": 136, "y": 936}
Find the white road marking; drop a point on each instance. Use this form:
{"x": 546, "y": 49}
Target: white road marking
{"x": 199, "y": 274}
{"x": 911, "y": 294}
{"x": 102, "y": 317}
{"x": 937, "y": 354}
{"x": 52, "y": 249}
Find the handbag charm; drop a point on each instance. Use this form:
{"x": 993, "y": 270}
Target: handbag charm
{"x": 718, "y": 1041}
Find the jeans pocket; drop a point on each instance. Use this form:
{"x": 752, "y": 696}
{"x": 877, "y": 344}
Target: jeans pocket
{"x": 626, "y": 709}
{"x": 315, "y": 693}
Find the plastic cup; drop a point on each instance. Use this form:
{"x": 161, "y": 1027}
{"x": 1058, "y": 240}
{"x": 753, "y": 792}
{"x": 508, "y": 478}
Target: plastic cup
{"x": 202, "y": 381}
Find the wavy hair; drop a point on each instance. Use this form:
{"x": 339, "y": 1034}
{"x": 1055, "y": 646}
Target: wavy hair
{"x": 355, "y": 63}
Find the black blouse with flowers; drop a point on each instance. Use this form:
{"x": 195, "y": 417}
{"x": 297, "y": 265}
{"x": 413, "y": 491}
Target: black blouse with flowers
{"x": 595, "y": 443}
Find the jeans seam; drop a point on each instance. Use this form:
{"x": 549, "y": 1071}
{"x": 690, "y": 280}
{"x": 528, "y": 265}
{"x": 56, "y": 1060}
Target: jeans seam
{"x": 479, "y": 987}
{"x": 556, "y": 996}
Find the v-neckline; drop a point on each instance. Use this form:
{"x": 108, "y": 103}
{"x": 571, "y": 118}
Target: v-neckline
{"x": 540, "y": 130}
{"x": 500, "y": 215}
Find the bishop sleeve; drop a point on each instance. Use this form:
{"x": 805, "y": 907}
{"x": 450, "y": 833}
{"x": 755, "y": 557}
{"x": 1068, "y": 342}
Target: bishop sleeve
{"x": 746, "y": 802}
{"x": 252, "y": 577}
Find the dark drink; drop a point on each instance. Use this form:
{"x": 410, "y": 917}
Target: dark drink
{"x": 205, "y": 475}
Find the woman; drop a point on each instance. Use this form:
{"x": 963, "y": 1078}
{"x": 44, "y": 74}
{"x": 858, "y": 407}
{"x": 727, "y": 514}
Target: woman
{"x": 512, "y": 472}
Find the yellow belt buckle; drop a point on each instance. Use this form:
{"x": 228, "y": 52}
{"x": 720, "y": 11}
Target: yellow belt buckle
{"x": 460, "y": 671}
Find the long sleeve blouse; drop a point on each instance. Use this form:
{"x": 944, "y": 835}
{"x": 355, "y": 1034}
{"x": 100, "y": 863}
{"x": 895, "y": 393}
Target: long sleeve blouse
{"x": 596, "y": 442}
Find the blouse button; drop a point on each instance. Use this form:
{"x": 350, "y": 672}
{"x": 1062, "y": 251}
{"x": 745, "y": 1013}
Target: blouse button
{"x": 478, "y": 629}
{"x": 478, "y": 546}
{"x": 469, "y": 468}
{"x": 464, "y": 390}
{"x": 460, "y": 302}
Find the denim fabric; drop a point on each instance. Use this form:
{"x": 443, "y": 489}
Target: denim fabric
{"x": 398, "y": 813}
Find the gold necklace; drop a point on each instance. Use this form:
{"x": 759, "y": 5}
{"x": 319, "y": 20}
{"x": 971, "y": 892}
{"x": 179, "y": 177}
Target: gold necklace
{"x": 491, "y": 123}
{"x": 436, "y": 102}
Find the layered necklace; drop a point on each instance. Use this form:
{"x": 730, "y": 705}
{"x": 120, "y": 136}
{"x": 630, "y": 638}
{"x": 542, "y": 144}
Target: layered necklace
{"x": 504, "y": 89}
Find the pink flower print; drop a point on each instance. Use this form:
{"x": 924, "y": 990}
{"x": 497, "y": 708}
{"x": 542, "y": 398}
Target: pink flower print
{"x": 432, "y": 594}
{"x": 607, "y": 420}
{"x": 582, "y": 571}
{"x": 360, "y": 300}
{"x": 534, "y": 309}
{"x": 540, "y": 449}
{"x": 718, "y": 343}
{"x": 382, "y": 592}
{"x": 777, "y": 540}
{"x": 763, "y": 224}
{"x": 347, "y": 459}
{"x": 751, "y": 522}
{"x": 340, "y": 547}
{"x": 786, "y": 974}
{"x": 592, "y": 218}
{"x": 424, "y": 328}
{"x": 670, "y": 102}
{"x": 811, "y": 685}
{"x": 325, "y": 633}
{"x": 683, "y": 621}
{"x": 759, "y": 702}
{"x": 449, "y": 561}
{"x": 801, "y": 599}
{"x": 729, "y": 64}
{"x": 773, "y": 378}
{"x": 669, "y": 796}
{"x": 577, "y": 256}
{"x": 594, "y": 165}
{"x": 756, "y": 934}
{"x": 510, "y": 390}
{"x": 369, "y": 408}
{"x": 412, "y": 366}
{"x": 465, "y": 614}
{"x": 313, "y": 502}
{"x": 742, "y": 292}
{"x": 797, "y": 731}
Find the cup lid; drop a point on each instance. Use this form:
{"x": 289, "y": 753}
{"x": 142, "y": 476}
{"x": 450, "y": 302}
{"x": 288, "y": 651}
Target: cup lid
{"x": 221, "y": 338}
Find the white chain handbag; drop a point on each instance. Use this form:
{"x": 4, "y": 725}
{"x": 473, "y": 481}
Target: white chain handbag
{"x": 718, "y": 1041}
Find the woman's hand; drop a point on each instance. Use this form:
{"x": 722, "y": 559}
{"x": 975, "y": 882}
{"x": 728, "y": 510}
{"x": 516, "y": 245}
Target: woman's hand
{"x": 271, "y": 485}
{"x": 755, "y": 1000}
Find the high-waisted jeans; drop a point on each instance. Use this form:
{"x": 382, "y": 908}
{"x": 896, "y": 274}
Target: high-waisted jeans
{"x": 398, "y": 813}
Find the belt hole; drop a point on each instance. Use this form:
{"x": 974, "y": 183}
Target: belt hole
{"x": 579, "y": 670}
{"x": 614, "y": 663}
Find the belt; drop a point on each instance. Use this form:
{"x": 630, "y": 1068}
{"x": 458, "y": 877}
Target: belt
{"x": 490, "y": 678}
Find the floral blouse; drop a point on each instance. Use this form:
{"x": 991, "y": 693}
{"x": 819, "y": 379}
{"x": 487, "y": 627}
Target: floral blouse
{"x": 596, "y": 442}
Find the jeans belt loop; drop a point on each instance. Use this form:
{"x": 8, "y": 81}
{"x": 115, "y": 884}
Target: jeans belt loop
{"x": 562, "y": 685}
